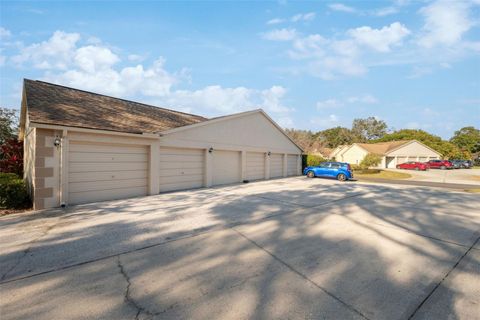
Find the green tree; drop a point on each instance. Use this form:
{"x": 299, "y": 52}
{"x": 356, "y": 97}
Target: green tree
{"x": 8, "y": 124}
{"x": 337, "y": 136}
{"x": 370, "y": 160}
{"x": 467, "y": 139}
{"x": 369, "y": 128}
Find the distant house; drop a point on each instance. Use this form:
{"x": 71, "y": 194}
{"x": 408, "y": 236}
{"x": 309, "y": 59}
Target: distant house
{"x": 337, "y": 151}
{"x": 392, "y": 153}
{"x": 323, "y": 152}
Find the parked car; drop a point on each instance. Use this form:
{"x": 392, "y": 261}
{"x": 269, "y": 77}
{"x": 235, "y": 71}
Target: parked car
{"x": 440, "y": 164}
{"x": 413, "y": 165}
{"x": 339, "y": 170}
{"x": 462, "y": 164}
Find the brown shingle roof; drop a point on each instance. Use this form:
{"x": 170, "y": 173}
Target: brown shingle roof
{"x": 382, "y": 148}
{"x": 58, "y": 105}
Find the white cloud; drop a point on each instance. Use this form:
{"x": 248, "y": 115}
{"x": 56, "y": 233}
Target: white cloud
{"x": 336, "y": 103}
{"x": 445, "y": 23}
{"x": 55, "y": 53}
{"x": 380, "y": 39}
{"x": 93, "y": 58}
{"x": 275, "y": 21}
{"x": 342, "y": 8}
{"x": 303, "y": 17}
{"x": 307, "y": 47}
{"x": 329, "y": 103}
{"x": 4, "y": 33}
{"x": 386, "y": 11}
{"x": 280, "y": 34}
{"x": 94, "y": 67}
{"x": 323, "y": 123}
{"x": 135, "y": 57}
{"x": 217, "y": 99}
{"x": 366, "y": 99}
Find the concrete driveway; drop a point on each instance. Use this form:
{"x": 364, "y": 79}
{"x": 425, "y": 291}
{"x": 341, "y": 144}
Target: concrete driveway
{"x": 292, "y": 248}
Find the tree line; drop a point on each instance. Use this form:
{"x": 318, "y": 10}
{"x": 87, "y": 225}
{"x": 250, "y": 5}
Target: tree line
{"x": 464, "y": 144}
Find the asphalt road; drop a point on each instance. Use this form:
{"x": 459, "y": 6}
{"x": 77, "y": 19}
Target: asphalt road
{"x": 292, "y": 248}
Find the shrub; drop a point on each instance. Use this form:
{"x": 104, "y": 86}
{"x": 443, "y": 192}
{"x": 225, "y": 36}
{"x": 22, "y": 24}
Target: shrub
{"x": 370, "y": 160}
{"x": 355, "y": 167}
{"x": 11, "y": 157}
{"x": 311, "y": 160}
{"x": 13, "y": 192}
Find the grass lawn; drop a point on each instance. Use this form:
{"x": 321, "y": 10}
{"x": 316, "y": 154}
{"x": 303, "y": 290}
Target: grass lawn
{"x": 381, "y": 174}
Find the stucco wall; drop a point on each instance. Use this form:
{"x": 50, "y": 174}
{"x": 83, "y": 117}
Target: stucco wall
{"x": 253, "y": 132}
{"x": 414, "y": 149}
{"x": 353, "y": 155}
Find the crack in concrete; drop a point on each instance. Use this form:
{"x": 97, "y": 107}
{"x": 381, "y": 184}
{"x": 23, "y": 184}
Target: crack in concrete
{"x": 127, "y": 295}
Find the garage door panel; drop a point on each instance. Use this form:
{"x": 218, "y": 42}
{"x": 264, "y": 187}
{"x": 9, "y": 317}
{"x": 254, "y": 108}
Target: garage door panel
{"x": 184, "y": 158}
{"x": 107, "y": 175}
{"x": 179, "y": 185}
{"x": 175, "y": 172}
{"x": 98, "y": 172}
{"x": 101, "y": 167}
{"x": 101, "y": 148}
{"x": 276, "y": 165}
{"x": 105, "y": 185}
{"x": 198, "y": 178}
{"x": 423, "y": 159}
{"x": 292, "y": 169}
{"x": 118, "y": 193}
{"x": 255, "y": 169}
{"x": 181, "y": 168}
{"x": 107, "y": 157}
{"x": 401, "y": 160}
{"x": 226, "y": 167}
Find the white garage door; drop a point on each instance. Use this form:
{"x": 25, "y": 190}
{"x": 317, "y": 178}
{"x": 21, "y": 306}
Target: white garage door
{"x": 255, "y": 165}
{"x": 423, "y": 159}
{"x": 292, "y": 169}
{"x": 276, "y": 165}
{"x": 98, "y": 172}
{"x": 226, "y": 167}
{"x": 181, "y": 168}
{"x": 401, "y": 160}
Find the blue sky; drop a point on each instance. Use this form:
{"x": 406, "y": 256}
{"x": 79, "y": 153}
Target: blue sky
{"x": 310, "y": 65}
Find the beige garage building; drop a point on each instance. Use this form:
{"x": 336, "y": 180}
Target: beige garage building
{"x": 84, "y": 147}
{"x": 392, "y": 153}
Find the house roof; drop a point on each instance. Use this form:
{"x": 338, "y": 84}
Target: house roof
{"x": 383, "y": 148}
{"x": 49, "y": 103}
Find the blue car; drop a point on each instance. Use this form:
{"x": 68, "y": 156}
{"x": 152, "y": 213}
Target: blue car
{"x": 338, "y": 170}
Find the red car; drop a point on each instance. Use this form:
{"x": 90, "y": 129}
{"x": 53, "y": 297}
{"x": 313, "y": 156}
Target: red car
{"x": 413, "y": 165}
{"x": 440, "y": 164}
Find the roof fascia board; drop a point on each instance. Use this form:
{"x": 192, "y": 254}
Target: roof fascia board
{"x": 85, "y": 130}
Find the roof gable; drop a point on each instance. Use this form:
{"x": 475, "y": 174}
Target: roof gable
{"x": 246, "y": 128}
{"x": 382, "y": 148}
{"x": 48, "y": 103}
